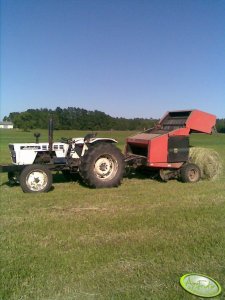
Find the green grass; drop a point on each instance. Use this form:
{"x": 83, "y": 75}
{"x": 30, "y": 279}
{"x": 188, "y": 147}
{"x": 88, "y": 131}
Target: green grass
{"x": 131, "y": 242}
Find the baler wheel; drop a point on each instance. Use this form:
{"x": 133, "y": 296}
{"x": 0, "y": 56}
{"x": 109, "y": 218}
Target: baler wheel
{"x": 190, "y": 173}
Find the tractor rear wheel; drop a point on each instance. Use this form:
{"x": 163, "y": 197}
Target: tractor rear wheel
{"x": 190, "y": 173}
{"x": 102, "y": 166}
{"x": 36, "y": 179}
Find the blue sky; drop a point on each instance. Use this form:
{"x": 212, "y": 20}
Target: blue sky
{"x": 128, "y": 58}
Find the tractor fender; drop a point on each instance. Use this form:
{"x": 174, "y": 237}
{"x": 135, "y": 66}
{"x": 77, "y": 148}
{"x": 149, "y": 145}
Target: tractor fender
{"x": 99, "y": 140}
{"x": 94, "y": 140}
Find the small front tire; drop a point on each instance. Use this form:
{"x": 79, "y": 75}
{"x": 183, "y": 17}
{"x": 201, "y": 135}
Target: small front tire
{"x": 190, "y": 173}
{"x": 36, "y": 179}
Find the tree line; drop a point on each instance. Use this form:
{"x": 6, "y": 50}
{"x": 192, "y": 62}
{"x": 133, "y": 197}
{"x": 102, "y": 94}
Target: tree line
{"x": 220, "y": 125}
{"x": 75, "y": 118}
{"x": 82, "y": 119}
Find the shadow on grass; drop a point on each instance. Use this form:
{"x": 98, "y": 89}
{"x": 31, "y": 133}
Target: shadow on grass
{"x": 16, "y": 184}
{"x": 142, "y": 174}
{"x": 65, "y": 178}
{"x": 9, "y": 184}
{"x": 139, "y": 173}
{"x": 58, "y": 177}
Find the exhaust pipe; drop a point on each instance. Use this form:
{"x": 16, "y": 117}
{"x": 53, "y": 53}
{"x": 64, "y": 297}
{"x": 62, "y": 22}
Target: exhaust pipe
{"x": 50, "y": 135}
{"x": 37, "y": 135}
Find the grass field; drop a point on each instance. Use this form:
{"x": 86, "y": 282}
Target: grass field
{"x": 131, "y": 242}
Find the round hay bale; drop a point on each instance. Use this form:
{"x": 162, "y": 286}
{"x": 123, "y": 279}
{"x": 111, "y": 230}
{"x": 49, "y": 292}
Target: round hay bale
{"x": 208, "y": 161}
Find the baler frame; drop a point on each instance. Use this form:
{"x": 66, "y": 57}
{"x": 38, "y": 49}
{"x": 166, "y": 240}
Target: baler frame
{"x": 166, "y": 145}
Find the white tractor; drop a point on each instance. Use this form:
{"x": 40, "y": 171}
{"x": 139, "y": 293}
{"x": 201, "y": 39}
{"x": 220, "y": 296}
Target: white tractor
{"x": 97, "y": 160}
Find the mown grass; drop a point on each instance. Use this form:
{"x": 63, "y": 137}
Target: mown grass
{"x": 131, "y": 242}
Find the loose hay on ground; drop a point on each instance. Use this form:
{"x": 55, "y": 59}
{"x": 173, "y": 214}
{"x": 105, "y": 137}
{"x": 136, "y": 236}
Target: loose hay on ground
{"x": 208, "y": 161}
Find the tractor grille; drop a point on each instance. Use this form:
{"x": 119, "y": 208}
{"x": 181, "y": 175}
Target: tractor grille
{"x": 13, "y": 153}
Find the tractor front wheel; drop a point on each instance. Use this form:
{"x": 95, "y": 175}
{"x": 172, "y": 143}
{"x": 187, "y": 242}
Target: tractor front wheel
{"x": 102, "y": 166}
{"x": 190, "y": 173}
{"x": 36, "y": 179}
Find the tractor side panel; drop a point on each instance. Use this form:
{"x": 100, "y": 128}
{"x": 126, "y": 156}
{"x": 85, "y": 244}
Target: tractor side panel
{"x": 158, "y": 149}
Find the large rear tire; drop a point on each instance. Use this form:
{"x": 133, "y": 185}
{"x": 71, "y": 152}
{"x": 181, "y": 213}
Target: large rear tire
{"x": 102, "y": 166}
{"x": 36, "y": 179}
